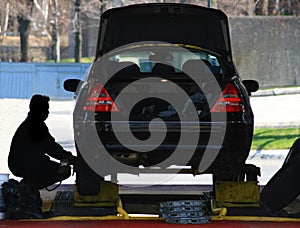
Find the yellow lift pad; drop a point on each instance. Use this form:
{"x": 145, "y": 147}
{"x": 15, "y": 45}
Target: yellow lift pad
{"x": 107, "y": 197}
{"x": 237, "y": 194}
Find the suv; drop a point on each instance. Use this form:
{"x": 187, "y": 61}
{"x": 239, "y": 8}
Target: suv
{"x": 162, "y": 93}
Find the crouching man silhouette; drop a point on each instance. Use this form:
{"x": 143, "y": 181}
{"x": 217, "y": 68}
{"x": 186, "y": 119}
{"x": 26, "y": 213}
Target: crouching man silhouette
{"x": 32, "y": 145}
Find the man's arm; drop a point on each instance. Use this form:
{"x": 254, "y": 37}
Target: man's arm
{"x": 55, "y": 150}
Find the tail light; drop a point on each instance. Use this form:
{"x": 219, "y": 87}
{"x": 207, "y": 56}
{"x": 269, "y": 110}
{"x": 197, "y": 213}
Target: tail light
{"x": 99, "y": 100}
{"x": 229, "y": 100}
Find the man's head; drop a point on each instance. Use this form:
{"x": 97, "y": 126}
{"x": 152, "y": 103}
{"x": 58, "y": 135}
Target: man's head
{"x": 39, "y": 107}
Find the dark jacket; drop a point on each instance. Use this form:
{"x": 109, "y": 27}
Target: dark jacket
{"x": 30, "y": 147}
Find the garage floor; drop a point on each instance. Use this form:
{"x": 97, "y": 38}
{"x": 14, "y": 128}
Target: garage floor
{"x": 145, "y": 223}
{"x": 134, "y": 199}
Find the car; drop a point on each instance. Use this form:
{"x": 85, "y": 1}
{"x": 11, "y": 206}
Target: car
{"x": 162, "y": 95}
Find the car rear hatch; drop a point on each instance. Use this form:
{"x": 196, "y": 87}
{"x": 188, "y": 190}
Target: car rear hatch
{"x": 171, "y": 23}
{"x": 115, "y": 111}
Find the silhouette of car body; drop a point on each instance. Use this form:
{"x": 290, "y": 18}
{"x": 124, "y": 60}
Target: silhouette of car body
{"x": 167, "y": 43}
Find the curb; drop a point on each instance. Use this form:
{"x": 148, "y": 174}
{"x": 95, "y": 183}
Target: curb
{"x": 276, "y": 91}
{"x": 268, "y": 154}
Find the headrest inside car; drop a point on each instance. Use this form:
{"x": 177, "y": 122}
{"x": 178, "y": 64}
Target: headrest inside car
{"x": 124, "y": 68}
{"x": 160, "y": 68}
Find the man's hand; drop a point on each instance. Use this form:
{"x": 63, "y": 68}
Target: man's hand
{"x": 68, "y": 161}
{"x": 72, "y": 160}
{"x": 64, "y": 172}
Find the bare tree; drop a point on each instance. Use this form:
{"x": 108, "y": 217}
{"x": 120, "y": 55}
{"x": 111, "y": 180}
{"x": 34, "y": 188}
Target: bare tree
{"x": 85, "y": 10}
{"x": 4, "y": 5}
{"x": 43, "y": 14}
{"x": 24, "y": 20}
{"x": 277, "y": 7}
{"x": 78, "y": 35}
{"x": 54, "y": 25}
{"x": 23, "y": 11}
{"x": 52, "y": 22}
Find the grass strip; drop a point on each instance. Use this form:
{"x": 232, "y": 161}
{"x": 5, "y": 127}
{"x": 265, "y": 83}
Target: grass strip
{"x": 274, "y": 138}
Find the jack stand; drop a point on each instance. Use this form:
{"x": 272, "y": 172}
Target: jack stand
{"x": 242, "y": 193}
{"x": 107, "y": 197}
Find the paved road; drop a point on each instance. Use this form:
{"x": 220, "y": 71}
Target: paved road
{"x": 269, "y": 111}
{"x": 276, "y": 111}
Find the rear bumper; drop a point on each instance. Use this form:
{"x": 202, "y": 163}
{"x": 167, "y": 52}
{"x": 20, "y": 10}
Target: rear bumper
{"x": 232, "y": 151}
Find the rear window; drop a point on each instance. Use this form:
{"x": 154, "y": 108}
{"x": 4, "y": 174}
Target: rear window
{"x": 146, "y": 59}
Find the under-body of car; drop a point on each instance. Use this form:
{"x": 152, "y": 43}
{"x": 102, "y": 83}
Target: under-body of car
{"x": 162, "y": 70}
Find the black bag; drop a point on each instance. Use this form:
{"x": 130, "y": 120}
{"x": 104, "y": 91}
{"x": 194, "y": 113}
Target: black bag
{"x": 284, "y": 186}
{"x": 21, "y": 201}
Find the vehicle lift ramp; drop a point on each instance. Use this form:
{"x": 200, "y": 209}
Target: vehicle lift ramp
{"x": 234, "y": 194}
{"x": 229, "y": 202}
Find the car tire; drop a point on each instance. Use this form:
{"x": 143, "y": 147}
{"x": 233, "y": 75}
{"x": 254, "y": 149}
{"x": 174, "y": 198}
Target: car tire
{"x": 87, "y": 181}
